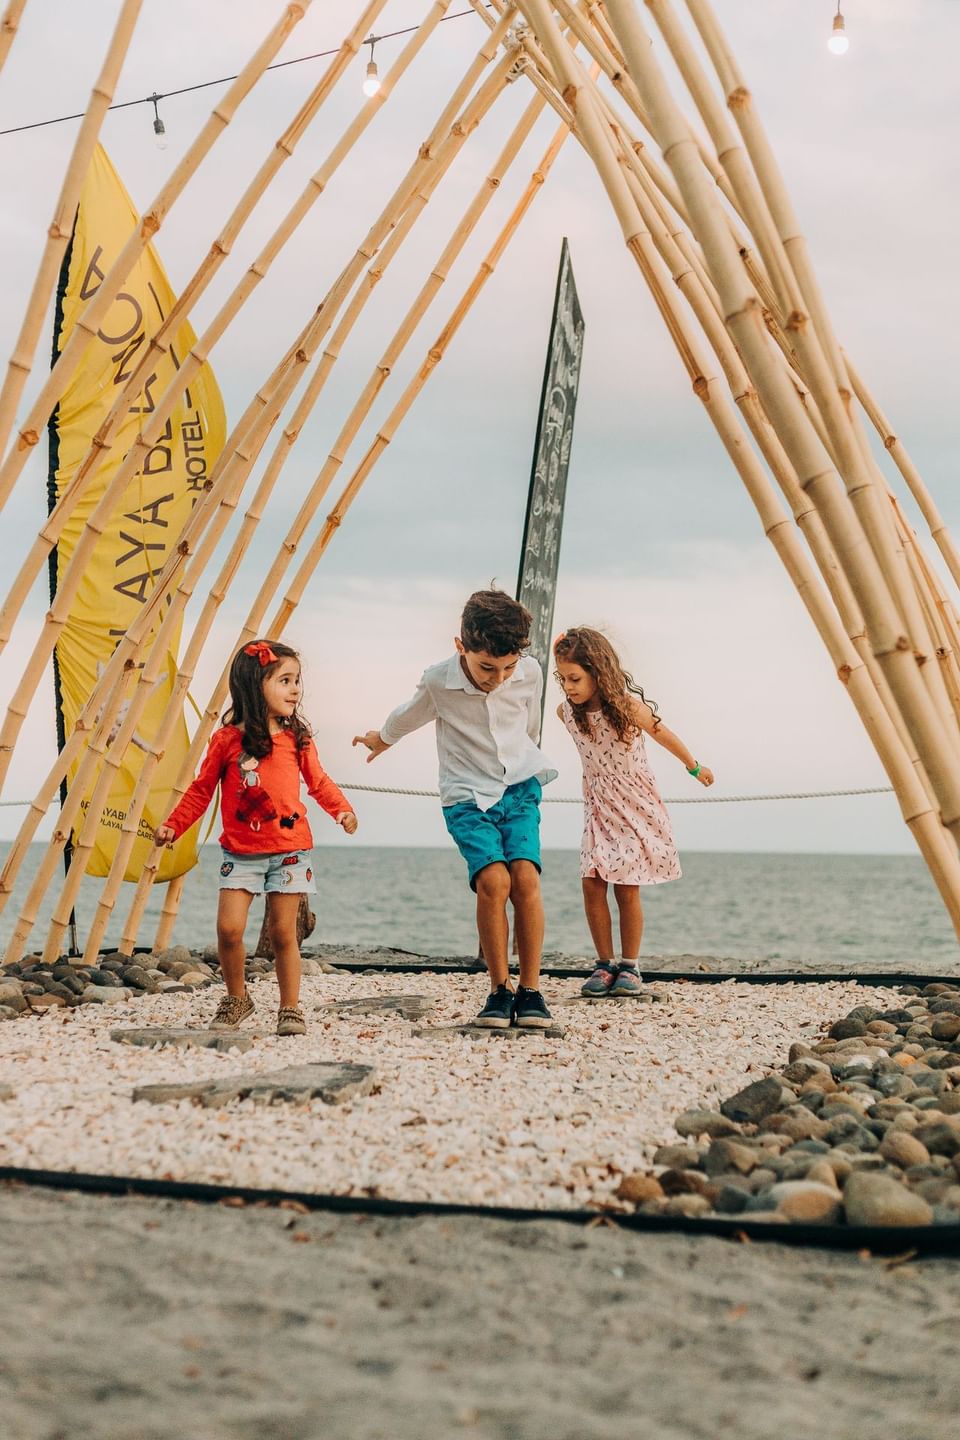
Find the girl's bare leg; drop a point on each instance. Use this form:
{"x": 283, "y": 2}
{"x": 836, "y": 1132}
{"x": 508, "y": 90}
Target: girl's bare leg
{"x": 282, "y": 920}
{"x": 232, "y": 910}
{"x": 631, "y": 920}
{"x": 598, "y": 915}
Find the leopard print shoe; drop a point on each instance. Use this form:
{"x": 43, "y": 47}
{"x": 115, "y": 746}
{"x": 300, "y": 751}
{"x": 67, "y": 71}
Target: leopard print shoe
{"x": 232, "y": 1011}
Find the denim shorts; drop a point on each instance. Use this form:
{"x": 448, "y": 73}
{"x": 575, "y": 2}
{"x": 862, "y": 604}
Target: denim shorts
{"x": 509, "y": 830}
{"x": 290, "y": 873}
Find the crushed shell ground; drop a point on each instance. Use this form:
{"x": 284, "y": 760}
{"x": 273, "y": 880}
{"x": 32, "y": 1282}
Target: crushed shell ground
{"x": 531, "y": 1121}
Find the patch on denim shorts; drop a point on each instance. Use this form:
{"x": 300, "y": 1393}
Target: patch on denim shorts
{"x": 287, "y": 878}
{"x": 309, "y": 873}
{"x": 226, "y": 868}
{"x": 290, "y": 859}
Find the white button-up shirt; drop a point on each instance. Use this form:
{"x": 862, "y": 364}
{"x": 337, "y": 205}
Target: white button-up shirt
{"x": 486, "y": 740}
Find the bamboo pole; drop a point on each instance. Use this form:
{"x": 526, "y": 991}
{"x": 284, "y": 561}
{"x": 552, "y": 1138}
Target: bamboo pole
{"x": 226, "y": 499}
{"x": 168, "y": 915}
{"x": 89, "y": 321}
{"x": 72, "y": 576}
{"x": 61, "y": 226}
{"x": 920, "y": 816}
{"x": 901, "y": 458}
{"x": 384, "y": 435}
{"x": 848, "y": 529}
{"x": 218, "y": 591}
{"x": 8, "y": 28}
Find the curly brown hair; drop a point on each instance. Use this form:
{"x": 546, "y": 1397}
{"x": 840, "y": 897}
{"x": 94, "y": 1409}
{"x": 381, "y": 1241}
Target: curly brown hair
{"x": 248, "y": 709}
{"x": 594, "y": 653}
{"x": 493, "y": 621}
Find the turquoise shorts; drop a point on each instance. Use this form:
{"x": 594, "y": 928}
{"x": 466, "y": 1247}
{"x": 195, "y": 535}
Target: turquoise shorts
{"x": 509, "y": 830}
{"x": 283, "y": 874}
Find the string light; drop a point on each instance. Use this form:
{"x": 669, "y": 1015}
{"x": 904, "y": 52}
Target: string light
{"x": 224, "y": 80}
{"x": 371, "y": 84}
{"x": 839, "y": 42}
{"x": 159, "y": 129}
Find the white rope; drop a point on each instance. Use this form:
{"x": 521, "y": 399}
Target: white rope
{"x": 578, "y": 800}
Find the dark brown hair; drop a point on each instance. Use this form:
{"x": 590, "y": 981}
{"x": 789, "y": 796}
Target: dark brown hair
{"x": 594, "y": 653}
{"x": 493, "y": 621}
{"x": 248, "y": 709}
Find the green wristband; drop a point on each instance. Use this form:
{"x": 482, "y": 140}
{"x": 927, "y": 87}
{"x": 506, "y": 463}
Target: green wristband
{"x": 694, "y": 770}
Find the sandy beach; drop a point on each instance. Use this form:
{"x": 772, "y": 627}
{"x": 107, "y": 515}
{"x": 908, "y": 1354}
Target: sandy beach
{"x": 144, "y": 1320}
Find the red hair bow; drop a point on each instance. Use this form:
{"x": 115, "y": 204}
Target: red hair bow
{"x": 561, "y": 636}
{"x": 262, "y": 651}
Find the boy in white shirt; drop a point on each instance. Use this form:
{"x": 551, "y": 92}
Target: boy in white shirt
{"x": 485, "y": 701}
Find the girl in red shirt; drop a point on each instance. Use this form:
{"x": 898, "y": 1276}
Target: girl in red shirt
{"x": 258, "y": 757}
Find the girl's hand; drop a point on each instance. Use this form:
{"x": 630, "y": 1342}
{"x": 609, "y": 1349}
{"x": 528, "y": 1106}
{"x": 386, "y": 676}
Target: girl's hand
{"x": 164, "y": 835}
{"x": 706, "y": 776}
{"x": 374, "y": 743}
{"x": 349, "y": 822}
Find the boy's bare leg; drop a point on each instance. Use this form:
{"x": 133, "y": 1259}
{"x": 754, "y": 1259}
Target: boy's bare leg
{"x": 233, "y": 907}
{"x": 528, "y": 919}
{"x": 493, "y": 890}
{"x": 598, "y": 915}
{"x": 282, "y": 919}
{"x": 631, "y": 920}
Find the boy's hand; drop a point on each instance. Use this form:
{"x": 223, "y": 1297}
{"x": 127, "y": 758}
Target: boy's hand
{"x": 706, "y": 776}
{"x": 374, "y": 743}
{"x": 164, "y": 835}
{"x": 349, "y": 822}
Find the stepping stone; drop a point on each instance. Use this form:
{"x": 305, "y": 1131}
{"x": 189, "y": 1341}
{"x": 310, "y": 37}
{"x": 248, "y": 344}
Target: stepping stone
{"x": 329, "y": 1081}
{"x": 482, "y": 1032}
{"x": 222, "y": 1040}
{"x": 410, "y": 1007}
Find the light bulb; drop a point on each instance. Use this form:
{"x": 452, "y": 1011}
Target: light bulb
{"x": 159, "y": 134}
{"x": 371, "y": 85}
{"x": 839, "y": 42}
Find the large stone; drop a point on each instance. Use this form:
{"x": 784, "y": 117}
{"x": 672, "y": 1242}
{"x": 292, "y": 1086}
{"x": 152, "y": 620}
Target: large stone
{"x": 705, "y": 1122}
{"x": 161, "y": 1035}
{"x": 680, "y": 1157}
{"x": 136, "y": 976}
{"x": 942, "y": 1137}
{"x": 881, "y": 1200}
{"x": 755, "y": 1101}
{"x": 946, "y": 1027}
{"x": 798, "y": 1123}
{"x": 103, "y": 995}
{"x": 174, "y": 955}
{"x": 726, "y": 1156}
{"x": 409, "y": 1007}
{"x": 12, "y": 996}
{"x": 849, "y": 1029}
{"x": 332, "y": 1082}
{"x": 47, "y": 1002}
{"x": 903, "y": 1149}
{"x": 805, "y": 1201}
{"x": 636, "y": 1189}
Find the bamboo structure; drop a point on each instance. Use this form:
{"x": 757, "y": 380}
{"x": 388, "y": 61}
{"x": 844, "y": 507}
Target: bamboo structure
{"x": 707, "y": 220}
{"x": 9, "y": 26}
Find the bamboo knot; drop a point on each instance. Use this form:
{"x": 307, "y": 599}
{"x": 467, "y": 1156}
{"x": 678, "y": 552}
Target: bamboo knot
{"x": 843, "y": 674}
{"x": 797, "y": 320}
{"x": 55, "y": 233}
{"x": 184, "y": 547}
{"x": 738, "y": 99}
{"x": 27, "y": 439}
{"x": 902, "y": 643}
{"x": 333, "y": 519}
{"x": 149, "y": 225}
{"x": 100, "y": 443}
{"x": 301, "y": 356}
{"x": 435, "y": 354}
{"x": 569, "y": 95}
{"x": 701, "y": 387}
{"x": 424, "y": 152}
{"x": 889, "y": 441}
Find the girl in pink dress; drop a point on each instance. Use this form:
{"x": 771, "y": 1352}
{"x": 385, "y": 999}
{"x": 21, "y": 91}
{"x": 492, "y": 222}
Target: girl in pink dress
{"x": 627, "y": 836}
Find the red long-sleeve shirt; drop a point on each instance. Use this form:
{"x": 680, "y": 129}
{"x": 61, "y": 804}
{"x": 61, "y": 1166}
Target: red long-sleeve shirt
{"x": 280, "y": 773}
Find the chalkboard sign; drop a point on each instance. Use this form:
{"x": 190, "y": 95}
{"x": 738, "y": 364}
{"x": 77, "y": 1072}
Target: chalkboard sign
{"x": 540, "y": 553}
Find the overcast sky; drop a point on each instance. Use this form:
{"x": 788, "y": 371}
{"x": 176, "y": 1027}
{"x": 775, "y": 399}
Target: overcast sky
{"x": 661, "y": 546}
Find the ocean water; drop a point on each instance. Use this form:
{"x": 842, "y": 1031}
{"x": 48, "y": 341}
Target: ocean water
{"x": 862, "y": 912}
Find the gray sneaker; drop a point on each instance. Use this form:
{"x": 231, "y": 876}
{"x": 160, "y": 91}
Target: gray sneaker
{"x": 628, "y": 981}
{"x": 599, "y": 985}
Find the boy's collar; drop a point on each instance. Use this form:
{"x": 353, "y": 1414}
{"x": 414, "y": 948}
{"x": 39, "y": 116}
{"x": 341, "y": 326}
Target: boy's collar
{"x": 458, "y": 679}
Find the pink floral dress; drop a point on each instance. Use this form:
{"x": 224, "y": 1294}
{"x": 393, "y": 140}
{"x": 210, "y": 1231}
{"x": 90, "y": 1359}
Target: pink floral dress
{"x": 627, "y": 835}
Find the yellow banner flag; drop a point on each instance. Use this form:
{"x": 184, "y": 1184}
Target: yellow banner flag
{"x": 154, "y": 506}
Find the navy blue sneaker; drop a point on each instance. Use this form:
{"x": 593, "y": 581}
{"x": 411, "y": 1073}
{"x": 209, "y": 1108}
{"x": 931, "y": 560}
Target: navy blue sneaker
{"x": 496, "y": 1013}
{"x": 530, "y": 1011}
